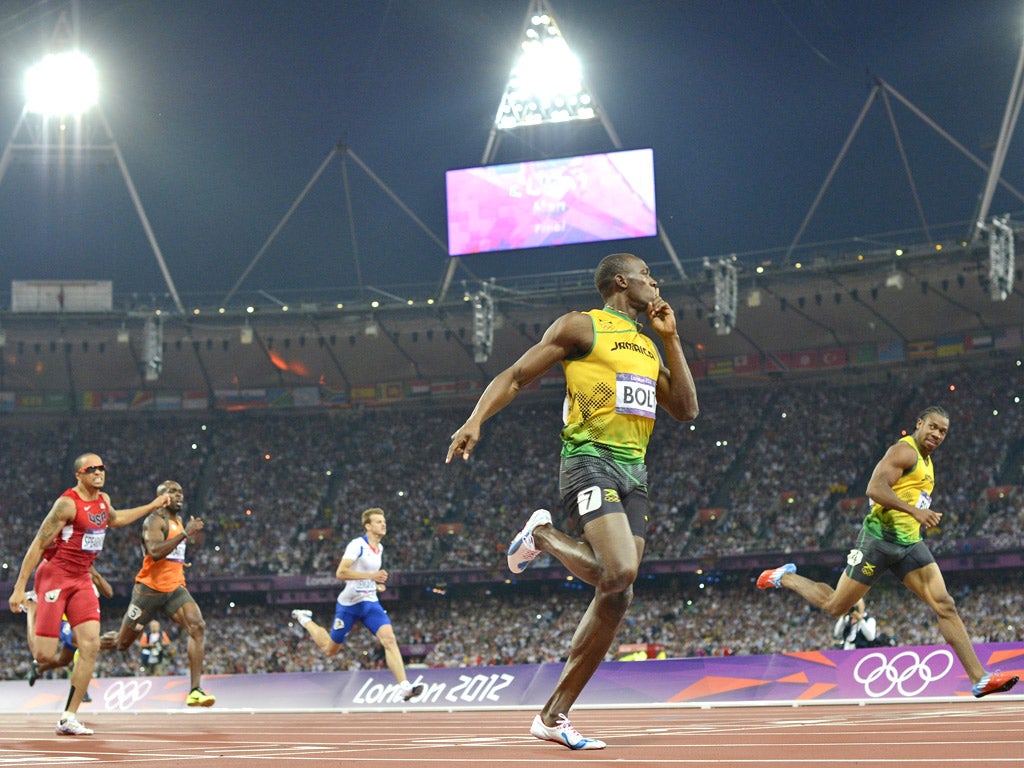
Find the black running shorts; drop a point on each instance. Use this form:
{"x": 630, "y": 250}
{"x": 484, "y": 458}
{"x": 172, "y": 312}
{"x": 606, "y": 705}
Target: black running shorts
{"x": 146, "y": 602}
{"x": 592, "y": 487}
{"x": 872, "y": 557}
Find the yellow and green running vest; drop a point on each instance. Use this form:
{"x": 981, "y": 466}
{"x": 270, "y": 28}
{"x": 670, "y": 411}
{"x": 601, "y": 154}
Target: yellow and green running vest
{"x": 611, "y": 391}
{"x": 914, "y": 487}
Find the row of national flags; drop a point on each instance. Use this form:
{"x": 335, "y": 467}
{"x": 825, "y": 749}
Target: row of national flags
{"x": 859, "y": 355}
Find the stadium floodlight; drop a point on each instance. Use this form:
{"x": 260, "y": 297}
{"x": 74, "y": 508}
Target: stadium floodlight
{"x": 546, "y": 85}
{"x": 546, "y": 82}
{"x": 65, "y": 85}
{"x": 62, "y": 84}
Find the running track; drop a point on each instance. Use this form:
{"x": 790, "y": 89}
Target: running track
{"x": 975, "y": 733}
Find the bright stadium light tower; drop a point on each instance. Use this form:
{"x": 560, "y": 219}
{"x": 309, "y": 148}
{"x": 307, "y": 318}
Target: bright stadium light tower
{"x": 547, "y": 85}
{"x": 61, "y": 102}
{"x": 62, "y": 84}
{"x": 546, "y": 82}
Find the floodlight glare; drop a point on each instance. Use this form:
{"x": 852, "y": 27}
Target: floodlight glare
{"x": 62, "y": 84}
{"x": 546, "y": 83}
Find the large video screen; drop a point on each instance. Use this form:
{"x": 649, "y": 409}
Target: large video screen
{"x": 580, "y": 199}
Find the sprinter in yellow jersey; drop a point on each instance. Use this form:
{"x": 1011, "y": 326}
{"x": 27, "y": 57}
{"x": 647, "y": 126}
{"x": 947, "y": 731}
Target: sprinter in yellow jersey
{"x": 900, "y": 489}
{"x": 615, "y": 379}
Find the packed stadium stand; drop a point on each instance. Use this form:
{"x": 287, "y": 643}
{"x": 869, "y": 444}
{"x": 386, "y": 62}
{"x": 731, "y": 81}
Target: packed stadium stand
{"x": 774, "y": 469}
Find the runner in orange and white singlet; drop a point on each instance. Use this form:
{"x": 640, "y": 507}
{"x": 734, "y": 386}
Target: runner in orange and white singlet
{"x": 160, "y": 587}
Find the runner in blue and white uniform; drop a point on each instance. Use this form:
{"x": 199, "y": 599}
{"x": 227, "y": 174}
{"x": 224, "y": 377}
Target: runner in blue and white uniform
{"x": 360, "y": 569}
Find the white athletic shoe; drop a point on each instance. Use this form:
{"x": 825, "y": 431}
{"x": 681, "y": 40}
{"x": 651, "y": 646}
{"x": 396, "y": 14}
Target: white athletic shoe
{"x": 302, "y": 616}
{"x": 564, "y": 734}
{"x": 522, "y": 550}
{"x": 71, "y": 727}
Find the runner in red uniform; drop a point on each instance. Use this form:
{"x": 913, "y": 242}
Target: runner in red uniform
{"x": 78, "y": 520}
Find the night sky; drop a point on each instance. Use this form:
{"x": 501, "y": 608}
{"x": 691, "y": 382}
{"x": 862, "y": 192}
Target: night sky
{"x": 225, "y": 109}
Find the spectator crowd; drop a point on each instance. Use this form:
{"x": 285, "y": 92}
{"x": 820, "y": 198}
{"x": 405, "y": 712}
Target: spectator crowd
{"x": 771, "y": 468}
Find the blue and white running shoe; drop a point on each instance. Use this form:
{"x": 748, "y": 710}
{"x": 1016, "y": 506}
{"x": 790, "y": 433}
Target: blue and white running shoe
{"x": 563, "y": 733}
{"x": 522, "y": 550}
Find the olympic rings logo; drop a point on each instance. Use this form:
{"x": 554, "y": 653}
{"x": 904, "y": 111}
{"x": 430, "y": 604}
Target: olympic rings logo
{"x": 124, "y": 695}
{"x": 906, "y": 671}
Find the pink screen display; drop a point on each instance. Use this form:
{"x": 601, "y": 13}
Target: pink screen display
{"x": 539, "y": 203}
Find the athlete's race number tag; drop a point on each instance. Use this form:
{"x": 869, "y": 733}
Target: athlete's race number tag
{"x": 92, "y": 541}
{"x": 588, "y": 500}
{"x": 178, "y": 553}
{"x": 924, "y": 501}
{"x": 636, "y": 395}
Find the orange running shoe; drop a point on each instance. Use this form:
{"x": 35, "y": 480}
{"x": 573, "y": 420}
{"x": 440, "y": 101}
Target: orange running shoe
{"x": 773, "y": 576}
{"x": 994, "y": 682}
